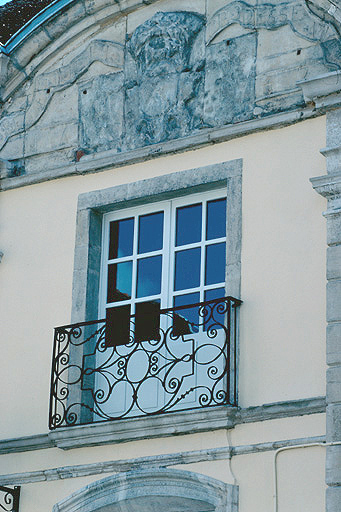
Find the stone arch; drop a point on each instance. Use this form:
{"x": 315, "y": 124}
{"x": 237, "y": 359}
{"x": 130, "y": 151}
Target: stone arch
{"x": 152, "y": 491}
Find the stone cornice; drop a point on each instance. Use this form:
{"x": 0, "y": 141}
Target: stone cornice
{"x": 324, "y": 90}
{"x": 328, "y": 186}
{"x": 110, "y": 159}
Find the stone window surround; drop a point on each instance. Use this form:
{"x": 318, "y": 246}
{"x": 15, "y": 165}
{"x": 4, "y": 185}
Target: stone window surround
{"x": 170, "y": 488}
{"x": 91, "y": 207}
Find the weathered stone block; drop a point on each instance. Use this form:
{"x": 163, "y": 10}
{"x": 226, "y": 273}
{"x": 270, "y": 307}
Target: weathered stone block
{"x": 334, "y": 262}
{"x": 14, "y": 148}
{"x": 334, "y": 343}
{"x": 334, "y": 228}
{"x": 332, "y": 52}
{"x": 101, "y": 112}
{"x": 11, "y": 125}
{"x": 58, "y": 25}
{"x": 46, "y": 108}
{"x": 38, "y": 163}
{"x": 270, "y": 16}
{"x": 334, "y": 384}
{"x": 333, "y": 128}
{"x": 334, "y": 301}
{"x": 278, "y": 102}
{"x": 334, "y": 422}
{"x": 333, "y": 499}
{"x": 33, "y": 45}
{"x": 51, "y": 138}
{"x": 333, "y": 465}
{"x": 230, "y": 81}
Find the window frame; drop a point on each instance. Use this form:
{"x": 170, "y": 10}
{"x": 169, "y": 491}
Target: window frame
{"x": 168, "y": 251}
{"x": 93, "y": 205}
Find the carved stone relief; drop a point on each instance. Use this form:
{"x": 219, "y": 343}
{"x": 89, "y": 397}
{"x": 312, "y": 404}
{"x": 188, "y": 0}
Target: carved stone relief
{"x": 164, "y": 88}
{"x": 270, "y": 17}
{"x": 174, "y": 75}
{"x": 226, "y": 66}
{"x": 101, "y": 112}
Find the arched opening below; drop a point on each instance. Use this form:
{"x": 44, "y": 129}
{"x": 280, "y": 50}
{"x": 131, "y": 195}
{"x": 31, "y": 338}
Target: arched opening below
{"x": 153, "y": 490}
{"x": 159, "y": 503}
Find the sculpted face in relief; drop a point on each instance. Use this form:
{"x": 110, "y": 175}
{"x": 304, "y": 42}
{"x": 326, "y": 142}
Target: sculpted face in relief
{"x": 162, "y": 93}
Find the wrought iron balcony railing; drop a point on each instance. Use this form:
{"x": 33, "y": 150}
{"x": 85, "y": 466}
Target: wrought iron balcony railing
{"x": 150, "y": 363}
{"x": 9, "y": 499}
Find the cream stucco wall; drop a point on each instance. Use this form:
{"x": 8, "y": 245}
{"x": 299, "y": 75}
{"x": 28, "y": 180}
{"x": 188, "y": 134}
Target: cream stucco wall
{"x": 283, "y": 260}
{"x": 281, "y": 328}
{"x": 300, "y": 473}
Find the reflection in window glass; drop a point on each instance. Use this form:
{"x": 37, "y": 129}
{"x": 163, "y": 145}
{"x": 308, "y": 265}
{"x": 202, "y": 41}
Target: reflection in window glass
{"x": 217, "y": 293}
{"x": 216, "y": 219}
{"x": 150, "y": 232}
{"x": 121, "y": 238}
{"x": 117, "y": 329}
{"x": 215, "y": 264}
{"x": 147, "y": 321}
{"x": 188, "y": 224}
{"x": 149, "y": 276}
{"x": 182, "y": 318}
{"x": 219, "y": 318}
{"x": 187, "y": 269}
{"x": 119, "y": 281}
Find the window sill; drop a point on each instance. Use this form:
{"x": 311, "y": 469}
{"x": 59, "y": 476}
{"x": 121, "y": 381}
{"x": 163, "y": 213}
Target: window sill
{"x": 134, "y": 429}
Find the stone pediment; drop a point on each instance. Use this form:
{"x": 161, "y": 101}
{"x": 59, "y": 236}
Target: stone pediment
{"x": 176, "y": 74}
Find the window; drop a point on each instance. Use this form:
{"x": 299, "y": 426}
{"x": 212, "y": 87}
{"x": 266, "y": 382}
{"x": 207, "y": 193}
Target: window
{"x": 171, "y": 254}
{"x": 131, "y": 286}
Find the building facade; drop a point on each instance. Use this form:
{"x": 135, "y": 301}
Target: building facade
{"x": 164, "y": 258}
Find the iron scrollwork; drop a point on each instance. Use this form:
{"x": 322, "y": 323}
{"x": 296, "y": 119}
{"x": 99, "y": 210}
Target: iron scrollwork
{"x": 187, "y": 362}
{"x": 9, "y": 499}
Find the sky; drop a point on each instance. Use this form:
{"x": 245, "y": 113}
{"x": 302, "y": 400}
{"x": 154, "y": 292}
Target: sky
{"x": 2, "y": 2}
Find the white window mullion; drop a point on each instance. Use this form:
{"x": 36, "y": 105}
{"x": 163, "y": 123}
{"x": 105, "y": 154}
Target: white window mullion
{"x": 134, "y": 272}
{"x": 203, "y": 237}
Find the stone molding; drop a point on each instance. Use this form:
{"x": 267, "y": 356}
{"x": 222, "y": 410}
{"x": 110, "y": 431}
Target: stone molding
{"x": 109, "y": 159}
{"x": 324, "y": 91}
{"x": 164, "y": 426}
{"x": 328, "y": 186}
{"x": 152, "y": 462}
{"x": 168, "y": 486}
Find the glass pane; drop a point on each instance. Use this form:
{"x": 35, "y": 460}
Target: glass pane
{"x": 187, "y": 269}
{"x": 215, "y": 264}
{"x": 149, "y": 276}
{"x": 119, "y": 281}
{"x": 185, "y": 321}
{"x": 121, "y": 235}
{"x": 217, "y": 318}
{"x": 217, "y": 293}
{"x": 188, "y": 224}
{"x": 150, "y": 232}
{"x": 147, "y": 321}
{"x": 216, "y": 219}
